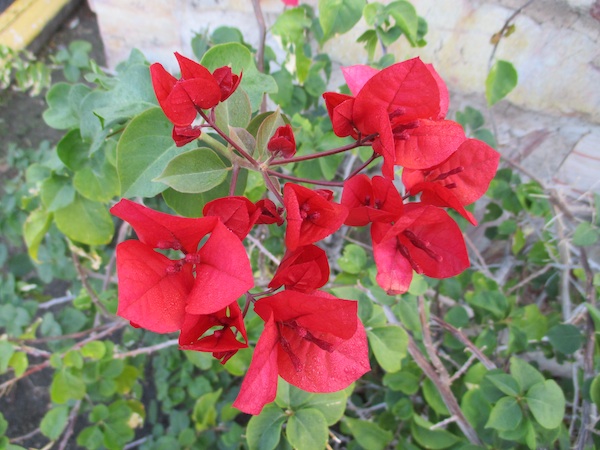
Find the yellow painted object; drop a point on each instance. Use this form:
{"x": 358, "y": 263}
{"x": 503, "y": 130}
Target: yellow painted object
{"x": 24, "y": 20}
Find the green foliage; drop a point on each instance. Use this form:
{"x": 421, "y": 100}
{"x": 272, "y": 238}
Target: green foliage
{"x": 121, "y": 383}
{"x": 500, "y": 81}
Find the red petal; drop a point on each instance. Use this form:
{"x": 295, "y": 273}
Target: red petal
{"x": 283, "y": 142}
{"x": 408, "y": 86}
{"x": 368, "y": 200}
{"x": 223, "y": 274}
{"x": 444, "y": 97}
{"x": 325, "y": 371}
{"x": 479, "y": 163}
{"x": 174, "y": 101}
{"x": 304, "y": 269}
{"x": 198, "y": 83}
{"x": 268, "y": 212}
{"x": 316, "y": 312}
{"x": 185, "y": 135}
{"x": 161, "y": 230}
{"x": 394, "y": 271}
{"x": 237, "y": 213}
{"x": 260, "y": 383}
{"x": 151, "y": 294}
{"x": 339, "y": 107}
{"x": 434, "y": 227}
{"x": 438, "y": 195}
{"x": 227, "y": 81}
{"x": 429, "y": 144}
{"x": 310, "y": 217}
{"x": 356, "y": 76}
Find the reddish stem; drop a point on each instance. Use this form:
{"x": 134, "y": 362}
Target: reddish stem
{"x": 220, "y": 132}
{"x": 305, "y": 180}
{"x": 345, "y": 148}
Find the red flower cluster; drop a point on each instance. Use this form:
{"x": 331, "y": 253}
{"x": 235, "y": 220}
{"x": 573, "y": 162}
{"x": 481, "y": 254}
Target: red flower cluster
{"x": 188, "y": 274}
{"x": 197, "y": 89}
{"x": 400, "y": 111}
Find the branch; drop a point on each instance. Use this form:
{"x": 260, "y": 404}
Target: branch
{"x": 444, "y": 389}
{"x": 466, "y": 342}
{"x": 147, "y": 350}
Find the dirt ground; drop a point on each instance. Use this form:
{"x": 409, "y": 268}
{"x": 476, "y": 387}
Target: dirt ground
{"x": 21, "y": 123}
{"x": 21, "y": 120}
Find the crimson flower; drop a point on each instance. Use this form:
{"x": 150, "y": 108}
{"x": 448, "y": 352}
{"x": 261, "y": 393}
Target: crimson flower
{"x": 425, "y": 239}
{"x": 222, "y": 342}
{"x": 156, "y": 292}
{"x": 305, "y": 269}
{"x": 184, "y": 135}
{"x": 314, "y": 342}
{"x": 237, "y": 213}
{"x": 459, "y": 180}
{"x": 196, "y": 89}
{"x": 269, "y": 213}
{"x": 283, "y": 142}
{"x": 403, "y": 106}
{"x": 227, "y": 81}
{"x": 311, "y": 215}
{"x": 367, "y": 200}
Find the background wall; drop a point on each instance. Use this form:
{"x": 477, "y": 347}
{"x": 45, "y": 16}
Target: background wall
{"x": 550, "y": 123}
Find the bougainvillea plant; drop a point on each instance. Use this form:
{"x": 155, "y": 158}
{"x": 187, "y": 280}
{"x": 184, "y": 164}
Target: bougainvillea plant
{"x": 189, "y": 274}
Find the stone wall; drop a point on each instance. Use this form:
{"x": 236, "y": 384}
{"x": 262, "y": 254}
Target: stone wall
{"x": 550, "y": 123}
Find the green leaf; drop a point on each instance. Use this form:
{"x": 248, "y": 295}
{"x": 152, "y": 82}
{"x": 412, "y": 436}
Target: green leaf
{"x": 85, "y": 221}
{"x": 406, "y": 19}
{"x": 546, "y": 402}
{"x": 143, "y": 151}
{"x": 63, "y": 103}
{"x": 93, "y": 350}
{"x": 525, "y": 374}
{"x": 72, "y": 150}
{"x": 54, "y": 422}
{"x": 291, "y": 397}
{"x": 291, "y": 25}
{"x": 500, "y": 81}
{"x": 389, "y": 345}
{"x": 339, "y": 16}
{"x": 66, "y": 385}
{"x": 332, "y": 405}
{"x": 236, "y": 111}
{"x": 353, "y": 259}
{"x": 431, "y": 439}
{"x": 57, "y": 192}
{"x": 91, "y": 438}
{"x": 368, "y": 434}
{"x": 505, "y": 415}
{"x": 505, "y": 383}
{"x": 585, "y": 234}
{"x": 6, "y": 352}
{"x": 233, "y": 54}
{"x": 205, "y": 412}
{"x": 307, "y": 429}
{"x": 196, "y": 171}
{"x": 595, "y": 391}
{"x": 98, "y": 185}
{"x": 433, "y": 398}
{"x": 264, "y": 431}
{"x": 369, "y": 39}
{"x": 19, "y": 362}
{"x": 35, "y": 228}
{"x": 565, "y": 338}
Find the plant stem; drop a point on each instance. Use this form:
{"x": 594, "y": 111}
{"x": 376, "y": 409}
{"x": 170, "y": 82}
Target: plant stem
{"x": 345, "y": 148}
{"x": 235, "y": 146}
{"x": 373, "y": 157}
{"x": 304, "y": 180}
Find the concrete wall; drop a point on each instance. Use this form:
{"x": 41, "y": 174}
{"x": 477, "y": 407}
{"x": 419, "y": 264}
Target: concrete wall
{"x": 550, "y": 123}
